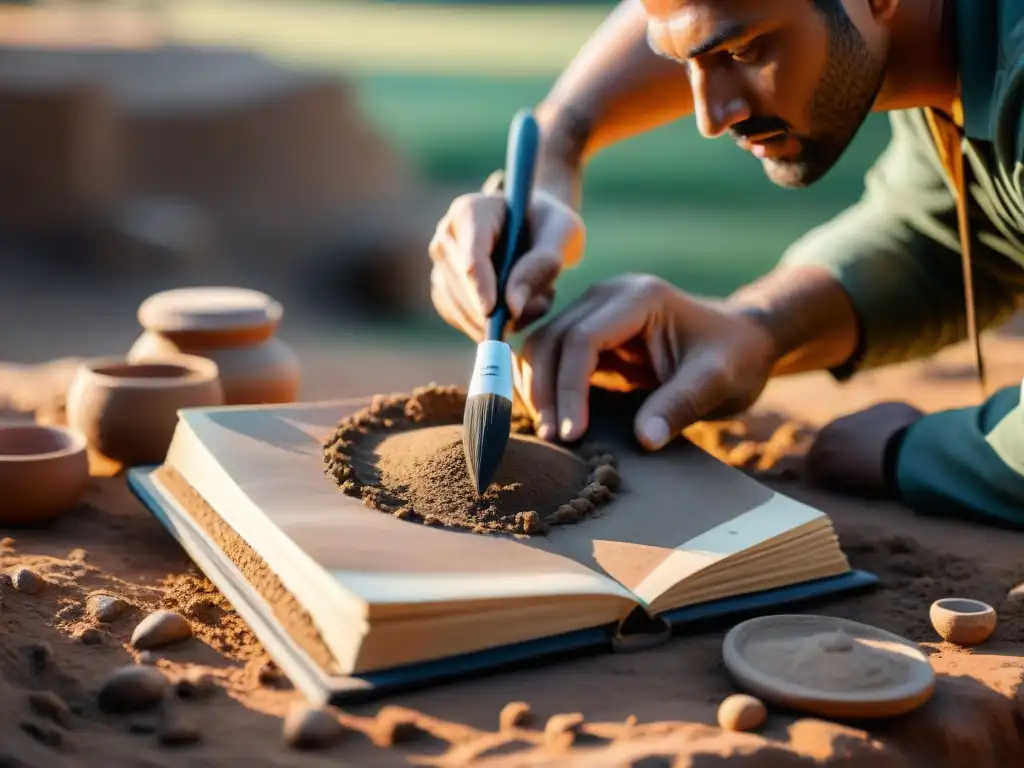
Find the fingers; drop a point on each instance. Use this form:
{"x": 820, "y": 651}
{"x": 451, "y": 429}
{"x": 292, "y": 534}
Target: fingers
{"x": 536, "y": 308}
{"x": 464, "y": 240}
{"x": 700, "y": 386}
{"x": 541, "y": 358}
{"x": 533, "y": 275}
{"x": 450, "y": 305}
{"x": 561, "y": 357}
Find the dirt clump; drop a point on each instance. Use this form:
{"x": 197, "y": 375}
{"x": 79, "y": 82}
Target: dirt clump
{"x": 403, "y": 455}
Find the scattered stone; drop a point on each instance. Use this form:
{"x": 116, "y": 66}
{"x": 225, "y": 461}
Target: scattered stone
{"x": 132, "y": 688}
{"x": 178, "y": 732}
{"x": 51, "y": 706}
{"x": 1017, "y": 593}
{"x": 270, "y": 674}
{"x": 105, "y": 608}
{"x": 308, "y": 727}
{"x": 40, "y": 657}
{"x": 561, "y": 730}
{"x": 195, "y": 685}
{"x": 90, "y": 636}
{"x": 46, "y": 735}
{"x": 26, "y": 581}
{"x": 161, "y": 628}
{"x": 515, "y": 714}
{"x": 148, "y": 658}
{"x": 741, "y": 712}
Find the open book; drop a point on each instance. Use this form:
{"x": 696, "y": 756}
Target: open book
{"x": 349, "y": 593}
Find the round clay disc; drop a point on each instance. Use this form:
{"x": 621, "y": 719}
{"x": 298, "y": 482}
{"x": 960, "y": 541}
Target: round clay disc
{"x": 828, "y": 666}
{"x": 208, "y": 309}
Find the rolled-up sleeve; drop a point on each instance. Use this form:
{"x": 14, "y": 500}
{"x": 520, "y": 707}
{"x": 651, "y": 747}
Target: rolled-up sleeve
{"x": 897, "y": 254}
{"x": 967, "y": 462}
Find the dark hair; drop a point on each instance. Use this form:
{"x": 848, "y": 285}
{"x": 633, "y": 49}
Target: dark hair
{"x": 831, "y": 9}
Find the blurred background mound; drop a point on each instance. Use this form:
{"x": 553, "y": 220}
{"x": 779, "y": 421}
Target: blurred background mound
{"x": 308, "y": 147}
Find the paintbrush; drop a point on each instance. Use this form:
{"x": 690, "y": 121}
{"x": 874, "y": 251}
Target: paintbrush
{"x": 487, "y": 422}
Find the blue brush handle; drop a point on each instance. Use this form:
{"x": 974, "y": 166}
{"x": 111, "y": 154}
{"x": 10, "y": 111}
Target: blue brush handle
{"x": 520, "y": 166}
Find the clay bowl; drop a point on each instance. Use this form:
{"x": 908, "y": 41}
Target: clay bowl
{"x": 962, "y": 621}
{"x": 128, "y": 411}
{"x": 43, "y": 471}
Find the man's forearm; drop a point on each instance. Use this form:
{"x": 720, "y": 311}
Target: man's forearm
{"x": 808, "y": 314}
{"x": 613, "y": 89}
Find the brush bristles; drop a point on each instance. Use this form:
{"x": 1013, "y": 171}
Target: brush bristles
{"x": 486, "y": 426}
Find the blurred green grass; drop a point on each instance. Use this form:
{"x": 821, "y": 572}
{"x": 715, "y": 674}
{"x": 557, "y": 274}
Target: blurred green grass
{"x": 443, "y": 81}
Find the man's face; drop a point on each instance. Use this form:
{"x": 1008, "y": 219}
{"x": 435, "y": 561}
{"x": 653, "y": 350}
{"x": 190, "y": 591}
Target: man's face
{"x": 790, "y": 84}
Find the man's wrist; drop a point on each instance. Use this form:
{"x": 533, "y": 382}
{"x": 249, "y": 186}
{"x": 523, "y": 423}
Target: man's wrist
{"x": 807, "y": 314}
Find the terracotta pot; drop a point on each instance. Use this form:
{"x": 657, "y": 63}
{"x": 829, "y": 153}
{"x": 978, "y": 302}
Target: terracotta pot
{"x": 128, "y": 411}
{"x": 234, "y": 327}
{"x": 43, "y": 471}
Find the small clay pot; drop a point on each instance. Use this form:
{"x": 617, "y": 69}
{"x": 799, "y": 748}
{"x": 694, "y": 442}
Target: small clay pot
{"x": 235, "y": 328}
{"x": 962, "y": 621}
{"x": 43, "y": 471}
{"x": 128, "y": 411}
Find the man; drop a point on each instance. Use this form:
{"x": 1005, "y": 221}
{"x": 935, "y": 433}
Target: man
{"x": 791, "y": 81}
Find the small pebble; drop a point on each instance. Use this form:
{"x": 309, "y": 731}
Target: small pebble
{"x": 741, "y": 712}
{"x": 161, "y": 628}
{"x": 26, "y": 581}
{"x": 195, "y": 685}
{"x": 561, "y": 729}
{"x": 148, "y": 658}
{"x": 90, "y": 636}
{"x": 515, "y": 714}
{"x": 308, "y": 727}
{"x": 105, "y": 608}
{"x": 51, "y": 706}
{"x": 132, "y": 688}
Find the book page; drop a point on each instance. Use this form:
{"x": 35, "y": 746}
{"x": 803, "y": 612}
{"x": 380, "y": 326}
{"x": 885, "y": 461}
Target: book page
{"x": 678, "y": 511}
{"x": 262, "y": 468}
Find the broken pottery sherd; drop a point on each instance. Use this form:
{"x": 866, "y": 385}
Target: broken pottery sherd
{"x": 962, "y": 621}
{"x": 43, "y": 472}
{"x": 828, "y": 666}
{"x": 128, "y": 411}
{"x": 160, "y": 628}
{"x": 235, "y": 328}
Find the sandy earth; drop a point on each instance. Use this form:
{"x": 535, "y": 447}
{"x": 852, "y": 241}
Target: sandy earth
{"x": 654, "y": 708}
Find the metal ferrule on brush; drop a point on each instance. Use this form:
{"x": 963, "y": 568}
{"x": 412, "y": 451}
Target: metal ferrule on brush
{"x": 492, "y": 371}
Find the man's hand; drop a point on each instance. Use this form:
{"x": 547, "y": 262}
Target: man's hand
{"x": 848, "y": 455}
{"x": 703, "y": 359}
{"x": 463, "y": 284}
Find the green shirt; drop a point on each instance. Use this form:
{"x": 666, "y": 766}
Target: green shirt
{"x": 897, "y": 252}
